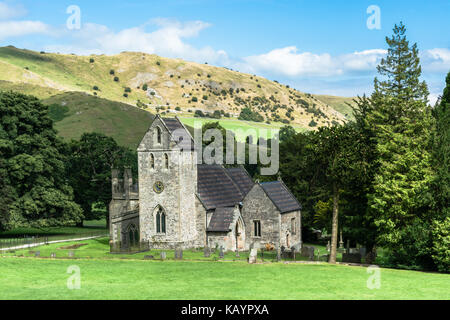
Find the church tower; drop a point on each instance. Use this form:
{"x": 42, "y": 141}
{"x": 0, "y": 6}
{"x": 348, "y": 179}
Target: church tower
{"x": 167, "y": 185}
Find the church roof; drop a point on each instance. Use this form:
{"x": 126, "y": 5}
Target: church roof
{"x": 221, "y": 220}
{"x": 216, "y": 188}
{"x": 281, "y": 197}
{"x": 182, "y": 135}
{"x": 242, "y": 179}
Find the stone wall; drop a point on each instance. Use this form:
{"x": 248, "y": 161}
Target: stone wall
{"x": 290, "y": 233}
{"x": 258, "y": 206}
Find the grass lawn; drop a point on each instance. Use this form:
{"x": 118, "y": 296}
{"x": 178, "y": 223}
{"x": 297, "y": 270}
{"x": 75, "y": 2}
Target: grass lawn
{"x": 106, "y": 276}
{"x": 88, "y": 227}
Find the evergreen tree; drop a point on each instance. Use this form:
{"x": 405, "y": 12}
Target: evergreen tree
{"x": 401, "y": 123}
{"x": 441, "y": 183}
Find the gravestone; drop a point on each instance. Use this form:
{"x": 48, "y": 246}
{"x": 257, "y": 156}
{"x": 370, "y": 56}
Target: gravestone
{"x": 37, "y": 254}
{"x": 237, "y": 253}
{"x": 178, "y": 254}
{"x": 207, "y": 252}
{"x": 328, "y": 246}
{"x": 221, "y": 254}
{"x": 351, "y": 257}
{"x": 53, "y": 255}
{"x": 362, "y": 251}
{"x": 253, "y": 255}
{"x": 71, "y": 253}
{"x": 163, "y": 255}
{"x": 308, "y": 252}
{"x": 149, "y": 257}
{"x": 278, "y": 252}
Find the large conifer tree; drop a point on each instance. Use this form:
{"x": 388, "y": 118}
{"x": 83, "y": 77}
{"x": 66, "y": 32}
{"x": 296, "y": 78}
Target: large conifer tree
{"x": 401, "y": 122}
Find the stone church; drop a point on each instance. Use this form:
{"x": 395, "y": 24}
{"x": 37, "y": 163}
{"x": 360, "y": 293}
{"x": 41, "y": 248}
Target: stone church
{"x": 179, "y": 203}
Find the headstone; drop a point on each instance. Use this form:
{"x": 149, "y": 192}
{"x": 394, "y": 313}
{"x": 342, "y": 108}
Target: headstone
{"x": 180, "y": 254}
{"x": 37, "y": 254}
{"x": 362, "y": 251}
{"x": 351, "y": 257}
{"x": 237, "y": 253}
{"x": 341, "y": 243}
{"x": 71, "y": 254}
{"x": 278, "y": 252}
{"x": 221, "y": 254}
{"x": 53, "y": 255}
{"x": 163, "y": 255}
{"x": 328, "y": 246}
{"x": 308, "y": 252}
{"x": 149, "y": 257}
{"x": 207, "y": 252}
{"x": 348, "y": 246}
{"x": 253, "y": 255}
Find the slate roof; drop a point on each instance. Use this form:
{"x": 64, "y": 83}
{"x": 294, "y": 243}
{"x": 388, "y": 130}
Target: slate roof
{"x": 242, "y": 179}
{"x": 173, "y": 124}
{"x": 281, "y": 196}
{"x": 216, "y": 188}
{"x": 221, "y": 220}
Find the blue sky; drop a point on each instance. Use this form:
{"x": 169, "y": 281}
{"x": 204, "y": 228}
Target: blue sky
{"x": 316, "y": 46}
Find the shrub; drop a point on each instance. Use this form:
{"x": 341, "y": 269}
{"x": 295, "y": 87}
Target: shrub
{"x": 158, "y": 63}
{"x": 95, "y": 88}
{"x": 91, "y": 60}
{"x": 128, "y": 89}
{"x": 313, "y": 124}
{"x": 205, "y": 97}
{"x": 194, "y": 99}
{"x": 57, "y": 112}
{"x": 116, "y": 79}
{"x": 199, "y": 114}
{"x": 217, "y": 114}
{"x": 145, "y": 87}
{"x": 112, "y": 72}
{"x": 125, "y": 95}
{"x": 249, "y": 115}
{"x": 178, "y": 109}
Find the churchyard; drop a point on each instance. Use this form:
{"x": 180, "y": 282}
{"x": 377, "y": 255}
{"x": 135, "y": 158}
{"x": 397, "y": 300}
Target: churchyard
{"x": 44, "y": 272}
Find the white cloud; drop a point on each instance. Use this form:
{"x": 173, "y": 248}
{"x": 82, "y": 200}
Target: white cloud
{"x": 436, "y": 60}
{"x": 289, "y": 62}
{"x": 9, "y": 29}
{"x": 9, "y": 12}
{"x": 169, "y": 39}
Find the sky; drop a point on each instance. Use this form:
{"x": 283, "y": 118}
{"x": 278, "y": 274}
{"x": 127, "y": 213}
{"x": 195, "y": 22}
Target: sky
{"x": 323, "y": 47}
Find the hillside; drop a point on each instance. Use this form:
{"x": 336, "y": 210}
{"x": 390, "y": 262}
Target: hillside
{"x": 164, "y": 85}
{"x": 85, "y": 113}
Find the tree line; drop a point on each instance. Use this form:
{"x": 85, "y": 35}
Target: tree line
{"x": 382, "y": 179}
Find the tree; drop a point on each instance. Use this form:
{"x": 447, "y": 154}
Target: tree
{"x": 441, "y": 183}
{"x": 35, "y": 191}
{"x": 286, "y": 133}
{"x": 92, "y": 159}
{"x": 401, "y": 124}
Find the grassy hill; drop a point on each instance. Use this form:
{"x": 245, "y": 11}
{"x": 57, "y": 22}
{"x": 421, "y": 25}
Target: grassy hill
{"x": 154, "y": 83}
{"x": 340, "y": 104}
{"x": 85, "y": 113}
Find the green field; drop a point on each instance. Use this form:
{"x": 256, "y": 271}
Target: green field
{"x": 107, "y": 276}
{"x": 240, "y": 128}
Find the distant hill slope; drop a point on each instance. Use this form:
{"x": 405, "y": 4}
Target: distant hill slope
{"x": 340, "y": 104}
{"x": 125, "y": 123}
{"x": 168, "y": 83}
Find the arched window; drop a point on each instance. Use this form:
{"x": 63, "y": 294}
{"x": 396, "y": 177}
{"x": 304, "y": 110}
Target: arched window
{"x": 158, "y": 135}
{"x": 152, "y": 161}
{"x": 133, "y": 235}
{"x": 166, "y": 161}
{"x": 160, "y": 220}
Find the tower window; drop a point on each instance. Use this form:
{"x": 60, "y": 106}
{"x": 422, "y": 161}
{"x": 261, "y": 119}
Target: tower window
{"x": 257, "y": 228}
{"x": 160, "y": 221}
{"x": 152, "y": 161}
{"x": 166, "y": 161}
